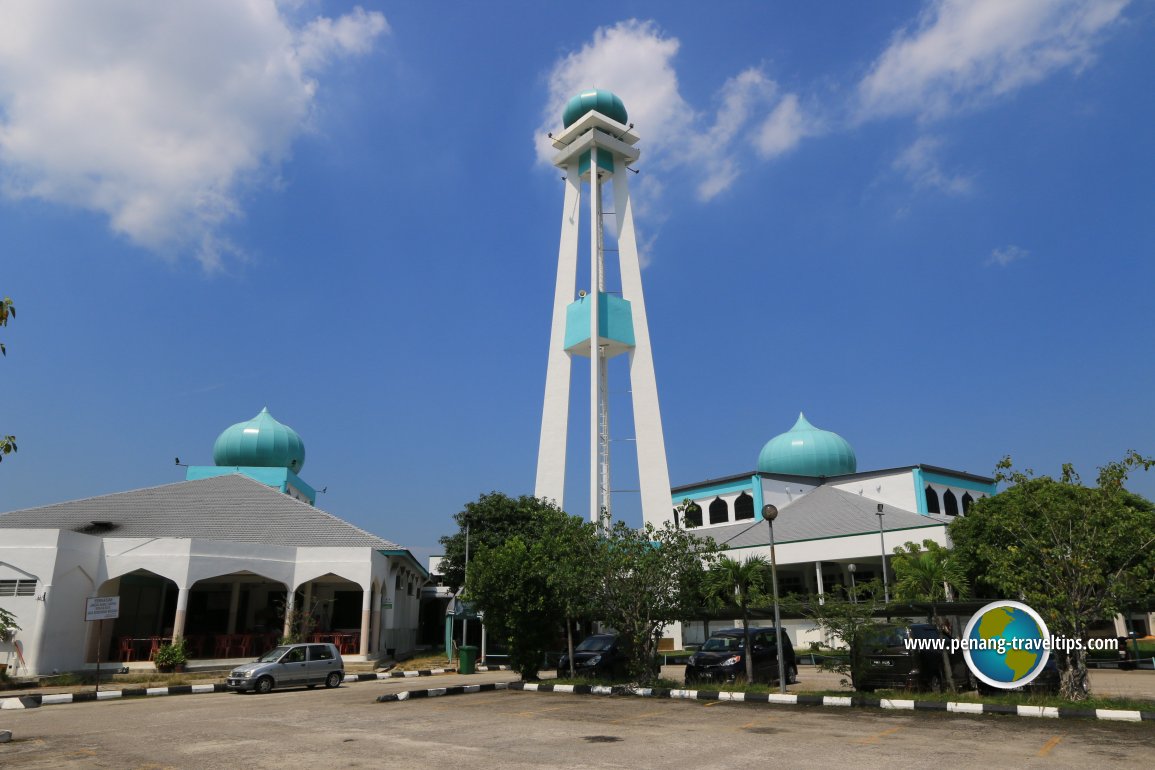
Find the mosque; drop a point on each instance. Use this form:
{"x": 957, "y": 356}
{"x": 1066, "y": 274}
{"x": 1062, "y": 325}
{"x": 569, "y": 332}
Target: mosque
{"x": 833, "y": 522}
{"x": 230, "y": 560}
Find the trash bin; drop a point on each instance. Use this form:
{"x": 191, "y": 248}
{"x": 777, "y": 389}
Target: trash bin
{"x": 467, "y": 659}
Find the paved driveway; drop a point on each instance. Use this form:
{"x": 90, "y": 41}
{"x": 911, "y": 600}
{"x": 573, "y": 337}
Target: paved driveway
{"x": 345, "y": 727}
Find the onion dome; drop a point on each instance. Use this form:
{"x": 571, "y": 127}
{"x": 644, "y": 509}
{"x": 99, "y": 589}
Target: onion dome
{"x": 807, "y": 451}
{"x": 261, "y": 442}
{"x": 605, "y": 102}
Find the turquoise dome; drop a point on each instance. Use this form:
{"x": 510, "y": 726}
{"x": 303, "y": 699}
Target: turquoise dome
{"x": 807, "y": 451}
{"x": 605, "y": 102}
{"x": 262, "y": 442}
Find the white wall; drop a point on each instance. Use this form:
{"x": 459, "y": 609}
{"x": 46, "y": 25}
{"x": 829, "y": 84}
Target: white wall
{"x": 895, "y": 489}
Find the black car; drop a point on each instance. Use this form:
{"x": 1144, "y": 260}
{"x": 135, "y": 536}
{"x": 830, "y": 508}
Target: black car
{"x": 723, "y": 657}
{"x": 597, "y": 656}
{"x": 883, "y": 660}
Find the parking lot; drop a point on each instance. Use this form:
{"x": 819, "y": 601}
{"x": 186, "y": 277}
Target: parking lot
{"x": 346, "y": 727}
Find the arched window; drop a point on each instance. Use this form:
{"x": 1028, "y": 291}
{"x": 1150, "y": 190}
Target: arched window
{"x": 967, "y": 501}
{"x": 743, "y": 507}
{"x": 931, "y": 500}
{"x": 719, "y": 511}
{"x": 950, "y": 502}
{"x": 693, "y": 515}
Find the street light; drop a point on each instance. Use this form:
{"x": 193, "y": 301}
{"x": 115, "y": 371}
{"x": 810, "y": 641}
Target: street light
{"x": 882, "y": 543}
{"x": 851, "y": 568}
{"x": 770, "y": 512}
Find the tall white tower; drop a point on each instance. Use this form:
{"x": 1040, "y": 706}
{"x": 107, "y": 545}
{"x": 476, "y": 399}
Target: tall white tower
{"x": 595, "y": 148}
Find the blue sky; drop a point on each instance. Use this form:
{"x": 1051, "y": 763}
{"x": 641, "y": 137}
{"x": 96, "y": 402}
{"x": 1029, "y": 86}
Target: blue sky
{"x": 928, "y": 225}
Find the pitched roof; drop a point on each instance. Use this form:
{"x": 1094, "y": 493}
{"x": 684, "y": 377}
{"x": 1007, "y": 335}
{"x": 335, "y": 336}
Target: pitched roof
{"x": 826, "y": 512}
{"x": 232, "y": 507}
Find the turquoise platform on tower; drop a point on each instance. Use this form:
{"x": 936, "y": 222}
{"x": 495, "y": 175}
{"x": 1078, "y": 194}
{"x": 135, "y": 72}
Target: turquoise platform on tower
{"x": 615, "y": 325}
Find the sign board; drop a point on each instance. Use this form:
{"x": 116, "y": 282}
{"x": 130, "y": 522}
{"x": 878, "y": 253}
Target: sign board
{"x": 386, "y": 605}
{"x": 102, "y": 608}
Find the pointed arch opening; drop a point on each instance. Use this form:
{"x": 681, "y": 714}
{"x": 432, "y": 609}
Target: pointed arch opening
{"x": 932, "y": 500}
{"x": 950, "y": 503}
{"x": 719, "y": 511}
{"x": 967, "y": 502}
{"x": 744, "y": 507}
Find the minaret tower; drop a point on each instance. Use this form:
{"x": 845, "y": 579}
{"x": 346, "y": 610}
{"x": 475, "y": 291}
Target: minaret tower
{"x": 595, "y": 150}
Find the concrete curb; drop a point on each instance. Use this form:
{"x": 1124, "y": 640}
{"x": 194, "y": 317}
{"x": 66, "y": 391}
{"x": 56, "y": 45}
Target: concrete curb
{"x": 412, "y": 674}
{"x": 436, "y": 692}
{"x": 35, "y": 701}
{"x": 851, "y": 701}
{"x": 5, "y": 736}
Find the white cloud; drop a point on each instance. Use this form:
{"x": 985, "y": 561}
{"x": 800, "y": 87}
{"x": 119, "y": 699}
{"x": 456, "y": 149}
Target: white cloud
{"x": 783, "y": 128}
{"x": 963, "y": 53}
{"x": 159, "y": 115}
{"x": 635, "y": 60}
{"x": 1006, "y": 255}
{"x": 919, "y": 163}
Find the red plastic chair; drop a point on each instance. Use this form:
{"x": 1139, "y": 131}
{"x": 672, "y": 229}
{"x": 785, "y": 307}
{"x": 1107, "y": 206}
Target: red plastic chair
{"x": 127, "y": 652}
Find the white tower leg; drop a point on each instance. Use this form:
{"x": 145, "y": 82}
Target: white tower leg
{"x": 555, "y": 412}
{"x": 653, "y": 473}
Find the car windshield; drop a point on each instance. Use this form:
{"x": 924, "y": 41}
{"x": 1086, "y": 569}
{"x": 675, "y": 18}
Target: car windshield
{"x": 595, "y": 644}
{"x": 273, "y": 655}
{"x": 723, "y": 644}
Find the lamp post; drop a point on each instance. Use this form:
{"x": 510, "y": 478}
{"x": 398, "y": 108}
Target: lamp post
{"x": 770, "y": 512}
{"x": 882, "y": 544}
{"x": 851, "y": 568}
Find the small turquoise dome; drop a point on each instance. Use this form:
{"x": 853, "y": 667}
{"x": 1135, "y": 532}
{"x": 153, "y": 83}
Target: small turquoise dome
{"x": 261, "y": 442}
{"x": 605, "y": 102}
{"x": 807, "y": 451}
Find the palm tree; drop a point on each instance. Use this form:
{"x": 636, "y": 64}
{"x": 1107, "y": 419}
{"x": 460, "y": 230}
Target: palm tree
{"x": 929, "y": 574}
{"x": 742, "y": 583}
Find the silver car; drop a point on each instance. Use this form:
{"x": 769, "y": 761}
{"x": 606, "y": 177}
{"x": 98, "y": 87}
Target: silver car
{"x": 290, "y": 665}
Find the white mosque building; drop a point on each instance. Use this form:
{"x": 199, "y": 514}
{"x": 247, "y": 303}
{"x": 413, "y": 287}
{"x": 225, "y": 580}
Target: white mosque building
{"x": 834, "y": 522}
{"x": 214, "y": 560}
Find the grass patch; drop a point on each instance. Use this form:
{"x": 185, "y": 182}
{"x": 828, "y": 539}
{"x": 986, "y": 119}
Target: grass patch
{"x": 425, "y": 662}
{"x": 671, "y": 684}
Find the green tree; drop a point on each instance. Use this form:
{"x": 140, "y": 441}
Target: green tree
{"x": 7, "y": 310}
{"x": 1074, "y": 553}
{"x": 843, "y": 620}
{"x": 509, "y": 583}
{"x": 534, "y": 583}
{"x": 744, "y": 584}
{"x": 490, "y": 520}
{"x": 649, "y": 578}
{"x": 931, "y": 574}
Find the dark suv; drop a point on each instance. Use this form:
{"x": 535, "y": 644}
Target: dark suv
{"x": 723, "y": 657}
{"x": 883, "y": 660}
{"x": 597, "y": 656}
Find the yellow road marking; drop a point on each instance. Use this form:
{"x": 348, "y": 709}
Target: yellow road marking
{"x": 643, "y": 715}
{"x": 1048, "y": 746}
{"x": 876, "y": 738}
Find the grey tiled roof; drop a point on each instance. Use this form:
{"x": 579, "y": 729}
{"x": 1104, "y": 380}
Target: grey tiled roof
{"x": 825, "y": 512}
{"x": 233, "y": 507}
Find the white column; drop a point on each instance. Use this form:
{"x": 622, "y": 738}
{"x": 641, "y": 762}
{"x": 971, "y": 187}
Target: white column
{"x": 366, "y": 618}
{"x": 290, "y": 604}
{"x": 234, "y": 605}
{"x": 653, "y": 473}
{"x": 555, "y": 412}
{"x": 34, "y": 652}
{"x": 595, "y": 335}
{"x": 181, "y": 610}
{"x": 819, "y": 583}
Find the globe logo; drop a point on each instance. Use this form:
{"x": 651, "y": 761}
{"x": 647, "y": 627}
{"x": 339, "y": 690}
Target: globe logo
{"x": 1006, "y": 644}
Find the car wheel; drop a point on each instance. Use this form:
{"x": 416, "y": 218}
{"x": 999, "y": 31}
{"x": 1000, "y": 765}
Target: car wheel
{"x": 264, "y": 685}
{"x": 935, "y": 683}
{"x": 792, "y": 675}
{"x": 333, "y": 679}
